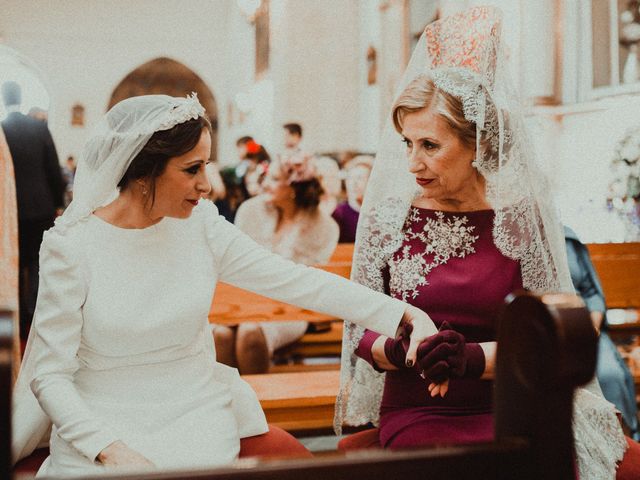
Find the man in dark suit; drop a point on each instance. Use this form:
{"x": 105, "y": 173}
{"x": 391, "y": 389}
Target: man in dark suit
{"x": 39, "y": 191}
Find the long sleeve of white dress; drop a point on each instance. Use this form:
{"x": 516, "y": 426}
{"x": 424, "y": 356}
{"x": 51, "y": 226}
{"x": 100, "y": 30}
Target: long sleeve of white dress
{"x": 58, "y": 321}
{"x": 245, "y": 264}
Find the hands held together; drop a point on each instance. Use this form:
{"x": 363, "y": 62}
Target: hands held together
{"x": 439, "y": 357}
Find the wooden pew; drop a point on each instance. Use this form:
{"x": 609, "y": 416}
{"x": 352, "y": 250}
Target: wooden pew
{"x": 342, "y": 254}
{"x": 546, "y": 348}
{"x": 300, "y": 402}
{"x": 618, "y": 266}
{"x": 324, "y": 343}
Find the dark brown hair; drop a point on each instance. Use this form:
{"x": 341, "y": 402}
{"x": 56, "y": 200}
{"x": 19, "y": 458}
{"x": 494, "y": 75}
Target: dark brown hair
{"x": 307, "y": 193}
{"x": 293, "y": 128}
{"x": 163, "y": 145}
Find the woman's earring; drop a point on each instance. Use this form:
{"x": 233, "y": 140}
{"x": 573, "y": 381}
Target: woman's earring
{"x": 143, "y": 188}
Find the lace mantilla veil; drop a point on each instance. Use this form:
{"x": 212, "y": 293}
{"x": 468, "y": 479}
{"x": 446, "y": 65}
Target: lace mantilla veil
{"x": 113, "y": 144}
{"x": 463, "y": 56}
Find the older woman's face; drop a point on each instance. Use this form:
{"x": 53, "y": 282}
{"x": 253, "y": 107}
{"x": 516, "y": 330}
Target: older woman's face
{"x": 440, "y": 161}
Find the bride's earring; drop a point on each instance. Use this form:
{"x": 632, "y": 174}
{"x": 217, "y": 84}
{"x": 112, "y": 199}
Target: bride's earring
{"x": 143, "y": 188}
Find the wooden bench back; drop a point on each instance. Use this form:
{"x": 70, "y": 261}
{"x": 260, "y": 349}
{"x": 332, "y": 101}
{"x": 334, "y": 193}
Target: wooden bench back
{"x": 618, "y": 266}
{"x": 342, "y": 254}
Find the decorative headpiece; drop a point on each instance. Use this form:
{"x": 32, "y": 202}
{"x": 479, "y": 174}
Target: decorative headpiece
{"x": 252, "y": 147}
{"x": 468, "y": 40}
{"x": 184, "y": 109}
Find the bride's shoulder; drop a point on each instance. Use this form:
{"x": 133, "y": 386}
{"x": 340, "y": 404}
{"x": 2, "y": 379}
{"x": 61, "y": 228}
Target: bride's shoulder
{"x": 68, "y": 241}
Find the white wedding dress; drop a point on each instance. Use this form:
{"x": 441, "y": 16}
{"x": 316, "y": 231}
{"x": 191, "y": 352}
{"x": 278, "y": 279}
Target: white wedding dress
{"x": 124, "y": 350}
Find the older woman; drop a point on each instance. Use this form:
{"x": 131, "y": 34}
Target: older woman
{"x": 120, "y": 359}
{"x": 357, "y": 173}
{"x": 452, "y": 225}
{"x": 287, "y": 220}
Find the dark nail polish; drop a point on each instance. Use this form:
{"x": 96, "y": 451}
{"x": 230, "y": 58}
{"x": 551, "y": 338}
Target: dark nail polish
{"x": 409, "y": 363}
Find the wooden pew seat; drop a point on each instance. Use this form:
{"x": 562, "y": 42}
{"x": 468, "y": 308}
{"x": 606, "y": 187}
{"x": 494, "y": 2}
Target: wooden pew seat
{"x": 299, "y": 402}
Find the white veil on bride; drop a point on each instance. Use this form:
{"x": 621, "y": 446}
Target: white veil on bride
{"x": 463, "y": 56}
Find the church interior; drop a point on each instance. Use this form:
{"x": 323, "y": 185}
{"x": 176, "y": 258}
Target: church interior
{"x": 327, "y": 74}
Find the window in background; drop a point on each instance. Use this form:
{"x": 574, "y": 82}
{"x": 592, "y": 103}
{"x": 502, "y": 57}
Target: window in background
{"x": 614, "y": 27}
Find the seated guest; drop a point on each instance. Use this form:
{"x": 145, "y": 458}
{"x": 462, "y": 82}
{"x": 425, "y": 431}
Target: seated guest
{"x": 119, "y": 365}
{"x": 233, "y": 186}
{"x": 613, "y": 374}
{"x": 457, "y": 215}
{"x": 235, "y": 193}
{"x": 346, "y": 213}
{"x": 259, "y": 160}
{"x": 329, "y": 176}
{"x": 287, "y": 220}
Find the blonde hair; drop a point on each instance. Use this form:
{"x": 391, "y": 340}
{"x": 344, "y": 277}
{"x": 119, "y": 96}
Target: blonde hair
{"x": 422, "y": 93}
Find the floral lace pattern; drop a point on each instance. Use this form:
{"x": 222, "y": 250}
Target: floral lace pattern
{"x": 599, "y": 441}
{"x": 442, "y": 238}
{"x": 182, "y": 111}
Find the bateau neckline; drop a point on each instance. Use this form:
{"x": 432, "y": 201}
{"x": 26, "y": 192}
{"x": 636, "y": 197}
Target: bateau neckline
{"x": 455, "y": 212}
{"x": 127, "y": 231}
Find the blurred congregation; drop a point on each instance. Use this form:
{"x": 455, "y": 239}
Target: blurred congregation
{"x": 296, "y": 97}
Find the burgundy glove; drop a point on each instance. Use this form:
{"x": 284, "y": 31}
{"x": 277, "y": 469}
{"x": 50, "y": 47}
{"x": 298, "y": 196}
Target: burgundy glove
{"x": 395, "y": 349}
{"x": 447, "y": 354}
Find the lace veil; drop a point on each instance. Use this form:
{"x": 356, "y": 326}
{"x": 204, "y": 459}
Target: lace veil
{"x": 463, "y": 56}
{"x": 113, "y": 144}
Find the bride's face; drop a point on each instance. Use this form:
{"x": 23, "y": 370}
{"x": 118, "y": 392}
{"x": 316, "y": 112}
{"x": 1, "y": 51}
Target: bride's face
{"x": 440, "y": 161}
{"x": 183, "y": 182}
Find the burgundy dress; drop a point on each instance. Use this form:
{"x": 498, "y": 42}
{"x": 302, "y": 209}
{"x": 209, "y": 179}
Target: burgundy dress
{"x": 449, "y": 267}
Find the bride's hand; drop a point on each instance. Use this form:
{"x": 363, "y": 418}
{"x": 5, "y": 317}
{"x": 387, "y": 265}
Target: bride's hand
{"x": 421, "y": 328}
{"x": 118, "y": 454}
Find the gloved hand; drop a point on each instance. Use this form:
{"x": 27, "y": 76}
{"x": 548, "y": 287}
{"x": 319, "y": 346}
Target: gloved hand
{"x": 447, "y": 354}
{"x": 395, "y": 349}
